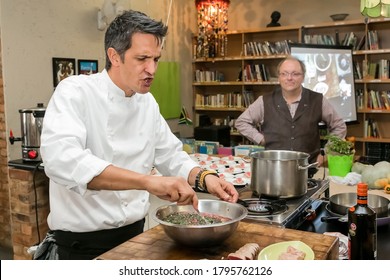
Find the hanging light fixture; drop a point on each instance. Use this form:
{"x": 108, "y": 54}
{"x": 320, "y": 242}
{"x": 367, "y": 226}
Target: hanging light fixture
{"x": 212, "y": 27}
{"x": 375, "y": 8}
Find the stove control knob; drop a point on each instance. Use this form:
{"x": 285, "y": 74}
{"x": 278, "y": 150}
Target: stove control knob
{"x": 32, "y": 154}
{"x": 311, "y": 215}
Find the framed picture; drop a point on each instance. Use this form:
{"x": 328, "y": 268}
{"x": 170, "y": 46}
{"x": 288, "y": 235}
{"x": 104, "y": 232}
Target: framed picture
{"x": 87, "y": 67}
{"x": 62, "y": 68}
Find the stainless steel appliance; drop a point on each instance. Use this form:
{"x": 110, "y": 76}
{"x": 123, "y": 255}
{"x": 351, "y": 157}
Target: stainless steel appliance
{"x": 31, "y": 121}
{"x": 286, "y": 213}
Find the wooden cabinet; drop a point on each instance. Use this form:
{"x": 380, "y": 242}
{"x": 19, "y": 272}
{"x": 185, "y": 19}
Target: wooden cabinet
{"x": 221, "y": 84}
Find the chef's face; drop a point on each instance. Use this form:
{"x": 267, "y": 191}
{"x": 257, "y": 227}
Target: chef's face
{"x": 291, "y": 76}
{"x": 136, "y": 71}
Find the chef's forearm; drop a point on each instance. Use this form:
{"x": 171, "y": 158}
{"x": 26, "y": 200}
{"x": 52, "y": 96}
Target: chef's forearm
{"x": 192, "y": 176}
{"x": 118, "y": 179}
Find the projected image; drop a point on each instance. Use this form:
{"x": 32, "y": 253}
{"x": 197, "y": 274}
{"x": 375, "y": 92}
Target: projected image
{"x": 329, "y": 70}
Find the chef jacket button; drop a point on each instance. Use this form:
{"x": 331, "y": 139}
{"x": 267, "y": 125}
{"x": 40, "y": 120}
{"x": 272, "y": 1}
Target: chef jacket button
{"x": 293, "y": 126}
{"x": 143, "y": 200}
{"x": 146, "y": 165}
{"x": 292, "y": 138}
{"x": 124, "y": 203}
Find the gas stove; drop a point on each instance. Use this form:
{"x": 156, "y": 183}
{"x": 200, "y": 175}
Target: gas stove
{"x": 286, "y": 213}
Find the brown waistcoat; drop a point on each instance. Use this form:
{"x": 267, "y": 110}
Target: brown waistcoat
{"x": 301, "y": 133}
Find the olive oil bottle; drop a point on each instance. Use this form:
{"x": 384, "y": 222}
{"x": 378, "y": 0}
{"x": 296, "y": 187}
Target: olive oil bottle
{"x": 362, "y": 232}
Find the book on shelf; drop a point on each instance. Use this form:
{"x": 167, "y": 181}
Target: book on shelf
{"x": 357, "y": 70}
{"x": 264, "y": 72}
{"x": 373, "y": 70}
{"x": 383, "y": 69}
{"x": 373, "y": 40}
{"x": 378, "y": 100}
{"x": 359, "y": 99}
{"x": 248, "y": 73}
{"x": 361, "y": 44}
{"x": 255, "y": 73}
{"x": 365, "y": 68}
{"x": 350, "y": 39}
{"x": 371, "y": 129}
{"x": 319, "y": 39}
{"x": 220, "y": 100}
{"x": 373, "y": 100}
{"x": 248, "y": 97}
{"x": 202, "y": 76}
{"x": 386, "y": 99}
{"x": 252, "y": 48}
{"x": 258, "y": 73}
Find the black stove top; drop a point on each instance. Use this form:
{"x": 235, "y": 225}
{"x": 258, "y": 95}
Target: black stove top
{"x": 289, "y": 213}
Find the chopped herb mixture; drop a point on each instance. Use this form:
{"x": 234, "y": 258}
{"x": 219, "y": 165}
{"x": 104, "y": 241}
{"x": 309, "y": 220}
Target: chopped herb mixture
{"x": 186, "y": 218}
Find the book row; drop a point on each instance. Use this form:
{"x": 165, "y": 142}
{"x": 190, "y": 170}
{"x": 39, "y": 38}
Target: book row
{"x": 225, "y": 100}
{"x": 266, "y": 48}
{"x": 372, "y": 69}
{"x": 376, "y": 100}
{"x": 368, "y": 41}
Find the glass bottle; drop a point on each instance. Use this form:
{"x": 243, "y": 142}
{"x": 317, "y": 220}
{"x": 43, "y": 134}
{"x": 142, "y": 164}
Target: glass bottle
{"x": 362, "y": 232}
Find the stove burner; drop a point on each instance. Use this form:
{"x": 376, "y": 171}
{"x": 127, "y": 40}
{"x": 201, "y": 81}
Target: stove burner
{"x": 261, "y": 207}
{"x": 288, "y": 212}
{"x": 311, "y": 184}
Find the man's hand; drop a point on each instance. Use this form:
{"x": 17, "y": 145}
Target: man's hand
{"x": 221, "y": 188}
{"x": 174, "y": 189}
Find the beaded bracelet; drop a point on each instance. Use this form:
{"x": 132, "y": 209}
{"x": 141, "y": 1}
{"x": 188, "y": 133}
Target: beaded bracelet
{"x": 200, "y": 183}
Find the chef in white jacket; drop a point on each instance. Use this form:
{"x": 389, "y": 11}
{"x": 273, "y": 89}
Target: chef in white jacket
{"x": 101, "y": 137}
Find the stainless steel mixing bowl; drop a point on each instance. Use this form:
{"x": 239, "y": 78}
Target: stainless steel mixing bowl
{"x": 202, "y": 235}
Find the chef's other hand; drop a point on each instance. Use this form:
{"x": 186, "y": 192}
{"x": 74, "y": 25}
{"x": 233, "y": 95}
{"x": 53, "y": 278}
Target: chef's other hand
{"x": 221, "y": 188}
{"x": 320, "y": 160}
{"x": 174, "y": 189}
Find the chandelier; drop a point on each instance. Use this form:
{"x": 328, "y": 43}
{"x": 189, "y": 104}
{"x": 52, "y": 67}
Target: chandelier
{"x": 375, "y": 8}
{"x": 212, "y": 27}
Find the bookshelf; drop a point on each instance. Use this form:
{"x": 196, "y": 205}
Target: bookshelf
{"x": 224, "y": 86}
{"x": 238, "y": 72}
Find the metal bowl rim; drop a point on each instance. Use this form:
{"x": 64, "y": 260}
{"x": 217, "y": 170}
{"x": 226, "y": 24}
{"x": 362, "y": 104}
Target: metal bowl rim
{"x": 232, "y": 221}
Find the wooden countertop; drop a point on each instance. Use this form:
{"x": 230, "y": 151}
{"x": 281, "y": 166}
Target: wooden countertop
{"x": 154, "y": 244}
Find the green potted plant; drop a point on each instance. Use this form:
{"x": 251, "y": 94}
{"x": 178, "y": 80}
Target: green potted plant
{"x": 340, "y": 154}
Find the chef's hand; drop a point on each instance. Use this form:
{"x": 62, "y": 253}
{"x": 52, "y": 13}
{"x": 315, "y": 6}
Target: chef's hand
{"x": 174, "y": 189}
{"x": 221, "y": 188}
{"x": 320, "y": 160}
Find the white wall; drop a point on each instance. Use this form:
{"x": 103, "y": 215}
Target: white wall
{"x": 251, "y": 14}
{"x": 34, "y": 31}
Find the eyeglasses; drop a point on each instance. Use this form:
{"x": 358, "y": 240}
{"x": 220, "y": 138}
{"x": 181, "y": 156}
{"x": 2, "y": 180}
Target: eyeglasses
{"x": 293, "y": 74}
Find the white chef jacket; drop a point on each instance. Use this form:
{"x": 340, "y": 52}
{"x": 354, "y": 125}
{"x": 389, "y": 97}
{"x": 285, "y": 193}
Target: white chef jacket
{"x": 90, "y": 124}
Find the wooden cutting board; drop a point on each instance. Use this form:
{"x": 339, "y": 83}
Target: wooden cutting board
{"x": 154, "y": 244}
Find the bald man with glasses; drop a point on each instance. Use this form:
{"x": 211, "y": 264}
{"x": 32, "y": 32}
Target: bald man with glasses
{"x": 289, "y": 117}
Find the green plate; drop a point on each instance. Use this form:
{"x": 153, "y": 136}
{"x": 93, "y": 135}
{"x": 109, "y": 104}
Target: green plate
{"x": 273, "y": 251}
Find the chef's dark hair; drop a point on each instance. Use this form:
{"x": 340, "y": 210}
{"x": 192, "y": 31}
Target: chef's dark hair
{"x": 303, "y": 67}
{"x": 120, "y": 32}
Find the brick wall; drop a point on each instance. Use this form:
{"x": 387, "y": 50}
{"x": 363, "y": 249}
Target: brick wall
{"x": 29, "y": 199}
{"x": 5, "y": 225}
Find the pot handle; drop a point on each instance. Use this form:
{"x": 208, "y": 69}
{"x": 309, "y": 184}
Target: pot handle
{"x": 314, "y": 164}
